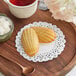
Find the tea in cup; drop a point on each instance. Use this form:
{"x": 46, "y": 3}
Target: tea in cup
{"x": 22, "y": 8}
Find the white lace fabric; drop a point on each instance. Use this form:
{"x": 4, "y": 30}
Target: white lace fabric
{"x": 47, "y": 51}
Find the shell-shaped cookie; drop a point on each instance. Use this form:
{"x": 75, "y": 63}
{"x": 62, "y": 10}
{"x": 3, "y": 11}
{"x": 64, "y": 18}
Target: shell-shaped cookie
{"x": 45, "y": 34}
{"x": 30, "y": 41}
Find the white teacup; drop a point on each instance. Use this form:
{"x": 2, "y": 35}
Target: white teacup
{"x": 22, "y": 11}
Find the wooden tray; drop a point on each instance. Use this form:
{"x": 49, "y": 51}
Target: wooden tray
{"x": 57, "y": 67}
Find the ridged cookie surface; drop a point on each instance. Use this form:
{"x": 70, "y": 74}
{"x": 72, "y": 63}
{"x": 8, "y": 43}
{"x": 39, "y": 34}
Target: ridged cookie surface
{"x": 30, "y": 41}
{"x": 45, "y": 34}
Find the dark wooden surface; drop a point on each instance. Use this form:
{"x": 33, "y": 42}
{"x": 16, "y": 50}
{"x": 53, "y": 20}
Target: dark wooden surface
{"x": 56, "y": 67}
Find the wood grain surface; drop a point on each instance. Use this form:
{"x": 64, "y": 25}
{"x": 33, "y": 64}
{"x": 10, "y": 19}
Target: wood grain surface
{"x": 57, "y": 67}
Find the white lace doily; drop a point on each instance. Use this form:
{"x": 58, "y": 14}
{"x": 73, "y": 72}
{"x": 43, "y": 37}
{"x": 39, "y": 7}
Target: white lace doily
{"x": 47, "y": 51}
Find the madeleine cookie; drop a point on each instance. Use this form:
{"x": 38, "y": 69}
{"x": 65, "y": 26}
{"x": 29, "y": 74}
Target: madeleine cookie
{"x": 30, "y": 41}
{"x": 45, "y": 34}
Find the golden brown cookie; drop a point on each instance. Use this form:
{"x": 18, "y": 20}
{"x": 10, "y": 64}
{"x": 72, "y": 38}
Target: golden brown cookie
{"x": 30, "y": 41}
{"x": 45, "y": 34}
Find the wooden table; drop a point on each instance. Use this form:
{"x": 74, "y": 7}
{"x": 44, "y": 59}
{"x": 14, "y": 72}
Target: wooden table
{"x": 57, "y": 67}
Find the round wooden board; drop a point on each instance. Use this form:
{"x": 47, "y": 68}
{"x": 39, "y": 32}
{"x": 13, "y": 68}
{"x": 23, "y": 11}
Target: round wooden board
{"x": 57, "y": 67}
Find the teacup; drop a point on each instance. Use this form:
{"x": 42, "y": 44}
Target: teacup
{"x": 22, "y": 11}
